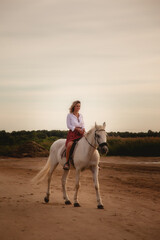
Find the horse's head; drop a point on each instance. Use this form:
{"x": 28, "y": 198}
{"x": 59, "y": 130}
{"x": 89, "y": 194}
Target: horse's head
{"x": 101, "y": 138}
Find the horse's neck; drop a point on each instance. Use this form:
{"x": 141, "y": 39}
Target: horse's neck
{"x": 87, "y": 142}
{"x": 91, "y": 137}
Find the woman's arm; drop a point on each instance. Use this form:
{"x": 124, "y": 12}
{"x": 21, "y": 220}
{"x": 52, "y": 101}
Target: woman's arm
{"x": 69, "y": 125}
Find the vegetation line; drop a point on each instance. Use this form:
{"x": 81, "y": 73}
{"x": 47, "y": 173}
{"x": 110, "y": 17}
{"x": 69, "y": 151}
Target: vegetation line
{"x": 120, "y": 143}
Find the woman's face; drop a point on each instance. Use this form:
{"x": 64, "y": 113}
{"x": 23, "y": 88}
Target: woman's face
{"x": 77, "y": 107}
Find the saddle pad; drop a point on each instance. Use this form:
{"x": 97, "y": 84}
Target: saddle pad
{"x": 63, "y": 153}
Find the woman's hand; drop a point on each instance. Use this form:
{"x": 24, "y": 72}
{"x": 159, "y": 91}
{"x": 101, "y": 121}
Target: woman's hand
{"x": 80, "y": 130}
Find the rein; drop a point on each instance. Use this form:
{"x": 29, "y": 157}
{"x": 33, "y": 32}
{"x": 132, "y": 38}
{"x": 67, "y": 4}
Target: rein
{"x": 95, "y": 137}
{"x": 90, "y": 144}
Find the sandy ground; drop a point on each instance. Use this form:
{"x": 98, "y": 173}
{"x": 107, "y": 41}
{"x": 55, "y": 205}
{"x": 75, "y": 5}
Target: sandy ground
{"x": 130, "y": 189}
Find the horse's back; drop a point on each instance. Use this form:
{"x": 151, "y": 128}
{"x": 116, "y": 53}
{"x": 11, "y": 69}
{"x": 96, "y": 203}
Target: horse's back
{"x": 57, "y": 149}
{"x": 58, "y": 142}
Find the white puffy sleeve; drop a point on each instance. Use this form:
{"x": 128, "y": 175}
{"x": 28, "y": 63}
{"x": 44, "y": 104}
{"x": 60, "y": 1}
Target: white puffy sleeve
{"x": 69, "y": 122}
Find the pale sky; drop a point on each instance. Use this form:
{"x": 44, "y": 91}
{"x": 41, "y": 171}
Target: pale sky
{"x": 104, "y": 53}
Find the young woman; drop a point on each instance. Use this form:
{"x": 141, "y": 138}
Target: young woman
{"x": 76, "y": 128}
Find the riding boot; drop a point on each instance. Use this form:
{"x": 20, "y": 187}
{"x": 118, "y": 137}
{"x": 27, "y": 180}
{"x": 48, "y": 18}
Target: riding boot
{"x": 66, "y": 166}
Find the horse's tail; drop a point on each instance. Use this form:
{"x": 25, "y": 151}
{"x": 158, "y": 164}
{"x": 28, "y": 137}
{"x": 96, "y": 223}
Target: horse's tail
{"x": 43, "y": 173}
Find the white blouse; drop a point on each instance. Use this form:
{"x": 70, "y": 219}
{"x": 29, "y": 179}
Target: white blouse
{"x": 73, "y": 121}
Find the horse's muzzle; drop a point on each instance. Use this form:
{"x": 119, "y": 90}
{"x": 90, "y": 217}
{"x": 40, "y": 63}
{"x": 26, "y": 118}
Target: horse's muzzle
{"x": 103, "y": 147}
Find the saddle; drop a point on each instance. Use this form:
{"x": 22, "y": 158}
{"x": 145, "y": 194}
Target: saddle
{"x": 71, "y": 152}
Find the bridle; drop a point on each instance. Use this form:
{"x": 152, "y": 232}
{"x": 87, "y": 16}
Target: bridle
{"x": 96, "y": 140}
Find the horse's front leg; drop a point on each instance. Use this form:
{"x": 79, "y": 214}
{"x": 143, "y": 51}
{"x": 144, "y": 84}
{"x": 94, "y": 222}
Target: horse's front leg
{"x": 96, "y": 184}
{"x": 76, "y": 203}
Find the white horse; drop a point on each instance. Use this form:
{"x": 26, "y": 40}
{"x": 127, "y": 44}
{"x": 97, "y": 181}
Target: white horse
{"x": 85, "y": 156}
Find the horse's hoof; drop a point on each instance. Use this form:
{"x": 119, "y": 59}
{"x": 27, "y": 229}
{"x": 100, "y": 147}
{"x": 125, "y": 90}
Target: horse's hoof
{"x": 77, "y": 205}
{"x": 46, "y": 199}
{"x": 67, "y": 202}
{"x": 100, "y": 206}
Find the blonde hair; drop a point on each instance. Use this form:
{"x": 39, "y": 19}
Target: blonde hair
{"x": 71, "y": 109}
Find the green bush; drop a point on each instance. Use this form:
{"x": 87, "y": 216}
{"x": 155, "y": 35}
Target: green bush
{"x": 147, "y": 146}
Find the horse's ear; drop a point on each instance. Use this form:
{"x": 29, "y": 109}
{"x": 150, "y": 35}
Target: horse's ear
{"x": 104, "y": 125}
{"x": 95, "y": 125}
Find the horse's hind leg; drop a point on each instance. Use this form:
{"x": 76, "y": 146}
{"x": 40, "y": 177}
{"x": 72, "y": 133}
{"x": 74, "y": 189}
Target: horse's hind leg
{"x": 65, "y": 196}
{"x": 46, "y": 199}
{"x": 76, "y": 203}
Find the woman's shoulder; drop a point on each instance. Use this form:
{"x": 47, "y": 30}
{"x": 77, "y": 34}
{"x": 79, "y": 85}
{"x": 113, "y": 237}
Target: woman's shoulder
{"x": 69, "y": 115}
{"x": 72, "y": 115}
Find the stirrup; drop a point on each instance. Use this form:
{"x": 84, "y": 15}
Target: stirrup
{"x": 66, "y": 166}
